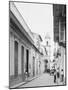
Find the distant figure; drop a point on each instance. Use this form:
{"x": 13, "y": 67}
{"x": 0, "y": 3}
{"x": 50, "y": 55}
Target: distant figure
{"x": 55, "y": 76}
{"x": 58, "y": 76}
{"x": 62, "y": 76}
{"x": 26, "y": 75}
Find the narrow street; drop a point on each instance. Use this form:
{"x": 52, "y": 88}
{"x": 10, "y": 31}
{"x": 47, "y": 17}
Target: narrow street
{"x": 43, "y": 80}
{"x": 37, "y": 45}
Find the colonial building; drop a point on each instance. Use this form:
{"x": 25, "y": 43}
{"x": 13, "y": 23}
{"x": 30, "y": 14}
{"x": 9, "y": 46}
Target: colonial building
{"x": 47, "y": 52}
{"x": 38, "y": 53}
{"x": 24, "y": 55}
{"x": 59, "y": 16}
{"x": 21, "y": 43}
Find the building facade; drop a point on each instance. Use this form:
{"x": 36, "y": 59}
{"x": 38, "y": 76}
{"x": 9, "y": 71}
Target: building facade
{"x": 38, "y": 52}
{"x": 20, "y": 47}
{"x": 24, "y": 55}
{"x": 59, "y": 16}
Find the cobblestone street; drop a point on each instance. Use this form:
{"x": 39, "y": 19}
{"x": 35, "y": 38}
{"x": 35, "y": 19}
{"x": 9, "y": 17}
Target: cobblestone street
{"x": 43, "y": 80}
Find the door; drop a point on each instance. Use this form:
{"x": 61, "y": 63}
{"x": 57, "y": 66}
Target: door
{"x": 27, "y": 60}
{"x": 16, "y": 59}
{"x": 22, "y": 61}
{"x": 33, "y": 66}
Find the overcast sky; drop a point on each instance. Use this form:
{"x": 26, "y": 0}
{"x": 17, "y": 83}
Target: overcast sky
{"x": 39, "y": 17}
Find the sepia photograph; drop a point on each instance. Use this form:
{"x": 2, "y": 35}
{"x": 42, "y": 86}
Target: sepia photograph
{"x": 37, "y": 45}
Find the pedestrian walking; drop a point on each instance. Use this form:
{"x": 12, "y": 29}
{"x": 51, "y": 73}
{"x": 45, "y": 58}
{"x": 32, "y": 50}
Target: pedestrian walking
{"x": 55, "y": 76}
{"x": 58, "y": 76}
{"x": 26, "y": 76}
{"x": 62, "y": 76}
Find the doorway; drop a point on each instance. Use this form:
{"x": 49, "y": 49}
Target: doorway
{"x": 33, "y": 66}
{"x": 27, "y": 61}
{"x": 22, "y": 61}
{"x": 15, "y": 58}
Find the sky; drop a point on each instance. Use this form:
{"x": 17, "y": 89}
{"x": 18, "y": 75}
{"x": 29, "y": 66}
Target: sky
{"x": 39, "y": 17}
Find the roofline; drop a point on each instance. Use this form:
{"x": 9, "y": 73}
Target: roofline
{"x": 20, "y": 27}
{"x": 19, "y": 17}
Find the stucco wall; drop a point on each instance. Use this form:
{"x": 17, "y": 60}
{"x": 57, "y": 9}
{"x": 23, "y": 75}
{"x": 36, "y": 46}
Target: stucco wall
{"x": 11, "y": 54}
{"x": 21, "y": 42}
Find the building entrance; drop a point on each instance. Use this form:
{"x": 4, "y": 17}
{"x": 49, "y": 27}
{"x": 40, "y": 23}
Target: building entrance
{"x": 15, "y": 59}
{"x": 22, "y": 61}
{"x": 27, "y": 61}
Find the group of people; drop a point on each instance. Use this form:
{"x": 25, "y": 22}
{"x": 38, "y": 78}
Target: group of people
{"x": 58, "y": 77}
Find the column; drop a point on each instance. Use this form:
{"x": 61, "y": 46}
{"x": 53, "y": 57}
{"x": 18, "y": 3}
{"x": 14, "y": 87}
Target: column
{"x": 19, "y": 59}
{"x": 24, "y": 59}
{"x": 11, "y": 54}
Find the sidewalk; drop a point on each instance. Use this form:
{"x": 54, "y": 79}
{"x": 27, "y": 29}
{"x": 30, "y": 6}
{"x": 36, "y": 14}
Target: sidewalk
{"x": 25, "y": 82}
